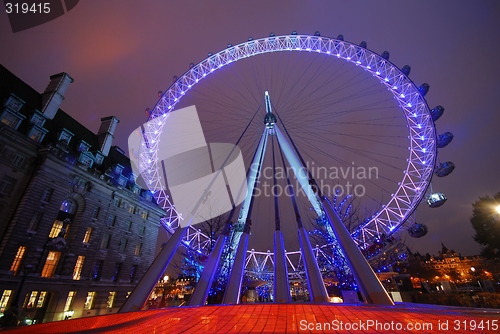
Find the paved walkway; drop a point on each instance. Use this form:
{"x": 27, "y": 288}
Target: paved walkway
{"x": 284, "y": 318}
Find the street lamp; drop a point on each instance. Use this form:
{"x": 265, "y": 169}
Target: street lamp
{"x": 497, "y": 208}
{"x": 11, "y": 314}
{"x": 26, "y": 270}
{"x": 473, "y": 270}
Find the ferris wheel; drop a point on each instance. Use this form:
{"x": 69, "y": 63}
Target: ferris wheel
{"x": 356, "y": 124}
{"x": 397, "y": 198}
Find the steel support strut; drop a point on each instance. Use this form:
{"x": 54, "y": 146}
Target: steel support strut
{"x": 233, "y": 288}
{"x": 369, "y": 284}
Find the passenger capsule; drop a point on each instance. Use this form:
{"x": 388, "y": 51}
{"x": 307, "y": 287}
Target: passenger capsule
{"x": 417, "y": 230}
{"x": 437, "y": 112}
{"x": 385, "y": 55}
{"x": 340, "y": 37}
{"x": 444, "y": 139}
{"x": 436, "y": 200}
{"x": 363, "y": 44}
{"x": 423, "y": 89}
{"x": 445, "y": 168}
{"x": 406, "y": 70}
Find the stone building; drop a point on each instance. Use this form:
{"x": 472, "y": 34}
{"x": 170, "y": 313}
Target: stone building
{"x": 76, "y": 231}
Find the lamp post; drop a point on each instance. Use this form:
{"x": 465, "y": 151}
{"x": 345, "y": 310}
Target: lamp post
{"x": 473, "y": 270}
{"x": 497, "y": 209}
{"x": 26, "y": 270}
{"x": 11, "y": 314}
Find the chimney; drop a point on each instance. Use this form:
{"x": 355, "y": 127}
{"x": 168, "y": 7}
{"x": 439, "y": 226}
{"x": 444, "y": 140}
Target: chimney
{"x": 106, "y": 133}
{"x": 54, "y": 94}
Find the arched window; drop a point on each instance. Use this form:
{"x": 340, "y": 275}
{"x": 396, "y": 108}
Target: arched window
{"x": 69, "y": 206}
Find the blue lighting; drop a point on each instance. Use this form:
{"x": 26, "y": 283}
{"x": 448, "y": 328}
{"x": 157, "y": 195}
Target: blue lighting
{"x": 386, "y": 79}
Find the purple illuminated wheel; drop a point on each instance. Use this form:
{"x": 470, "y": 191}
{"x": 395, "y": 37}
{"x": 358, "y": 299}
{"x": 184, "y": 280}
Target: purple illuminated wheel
{"x": 343, "y": 105}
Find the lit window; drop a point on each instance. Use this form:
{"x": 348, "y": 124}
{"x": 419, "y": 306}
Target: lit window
{"x": 51, "y": 264}
{"x": 56, "y": 229}
{"x": 138, "y": 248}
{"x": 144, "y": 215}
{"x": 78, "y": 267}
{"x": 69, "y": 301}
{"x": 111, "y": 299}
{"x": 32, "y": 299}
{"x": 41, "y": 299}
{"x": 6, "y": 185}
{"x": 17, "y": 259}
{"x": 88, "y": 234}
{"x": 105, "y": 241}
{"x": 68, "y": 206}
{"x": 89, "y": 300}
{"x": 36, "y": 134}
{"x": 12, "y": 119}
{"x": 4, "y": 301}
{"x": 131, "y": 208}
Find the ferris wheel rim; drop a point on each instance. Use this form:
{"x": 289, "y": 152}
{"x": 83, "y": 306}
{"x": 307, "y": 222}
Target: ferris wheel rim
{"x": 422, "y": 133}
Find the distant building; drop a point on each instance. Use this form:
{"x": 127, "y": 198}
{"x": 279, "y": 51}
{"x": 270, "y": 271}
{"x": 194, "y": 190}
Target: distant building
{"x": 449, "y": 266}
{"x": 76, "y": 231}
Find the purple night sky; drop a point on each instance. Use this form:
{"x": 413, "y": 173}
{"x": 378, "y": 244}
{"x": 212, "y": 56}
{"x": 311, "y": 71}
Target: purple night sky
{"x": 122, "y": 52}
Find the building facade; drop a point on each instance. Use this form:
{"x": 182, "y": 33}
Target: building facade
{"x": 76, "y": 230}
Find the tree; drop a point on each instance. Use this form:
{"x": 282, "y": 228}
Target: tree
{"x": 486, "y": 222}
